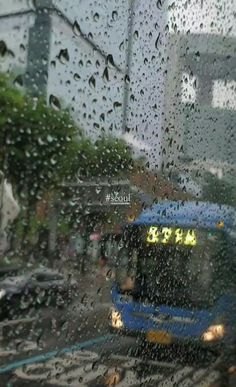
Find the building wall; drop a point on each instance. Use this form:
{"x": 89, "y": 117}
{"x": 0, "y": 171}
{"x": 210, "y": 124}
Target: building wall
{"x": 200, "y": 99}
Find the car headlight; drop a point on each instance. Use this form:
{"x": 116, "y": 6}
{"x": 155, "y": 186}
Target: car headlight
{"x": 2, "y": 293}
{"x": 214, "y": 332}
{"x": 116, "y": 320}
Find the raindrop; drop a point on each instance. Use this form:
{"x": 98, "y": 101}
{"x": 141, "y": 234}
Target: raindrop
{"x": 22, "y": 47}
{"x": 96, "y": 17}
{"x": 95, "y": 366}
{"x": 18, "y": 81}
{"x": 76, "y": 28}
{"x": 40, "y": 296}
{"x": 105, "y": 74}
{"x": 3, "y": 48}
{"x": 81, "y": 63}
{"x": 122, "y": 46}
{"x": 197, "y": 55}
{"x": 127, "y": 79}
{"x": 136, "y": 34}
{"x": 159, "y": 4}
{"x": 63, "y": 56}
{"x": 77, "y": 77}
{"x": 157, "y": 40}
{"x": 53, "y": 63}
{"x": 92, "y": 82}
{"x": 117, "y": 105}
{"x": 114, "y": 15}
{"x": 84, "y": 299}
{"x": 54, "y": 102}
{"x": 109, "y": 274}
{"x": 49, "y": 138}
{"x": 175, "y": 28}
{"x": 110, "y": 61}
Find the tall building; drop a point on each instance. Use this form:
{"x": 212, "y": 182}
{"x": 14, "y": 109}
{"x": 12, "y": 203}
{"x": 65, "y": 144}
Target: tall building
{"x": 200, "y": 89}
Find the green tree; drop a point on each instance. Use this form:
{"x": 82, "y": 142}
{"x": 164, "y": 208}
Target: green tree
{"x": 108, "y": 157}
{"x": 37, "y": 143}
{"x": 41, "y": 146}
{"x": 219, "y": 191}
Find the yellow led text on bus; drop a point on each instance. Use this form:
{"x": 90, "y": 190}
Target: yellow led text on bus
{"x": 153, "y": 235}
{"x": 167, "y": 235}
{"x": 190, "y": 239}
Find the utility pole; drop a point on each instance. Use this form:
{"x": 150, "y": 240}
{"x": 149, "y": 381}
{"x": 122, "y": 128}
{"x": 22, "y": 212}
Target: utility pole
{"x": 128, "y": 63}
{"x": 36, "y": 76}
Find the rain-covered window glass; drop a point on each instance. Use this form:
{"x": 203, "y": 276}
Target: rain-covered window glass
{"x": 118, "y": 193}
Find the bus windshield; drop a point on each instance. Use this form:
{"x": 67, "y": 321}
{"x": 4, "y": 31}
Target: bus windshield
{"x": 185, "y": 268}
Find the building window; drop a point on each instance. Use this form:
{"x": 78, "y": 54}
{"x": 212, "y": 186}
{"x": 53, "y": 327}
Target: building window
{"x": 224, "y": 94}
{"x": 189, "y": 87}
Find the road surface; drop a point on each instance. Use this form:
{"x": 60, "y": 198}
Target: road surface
{"x": 74, "y": 347}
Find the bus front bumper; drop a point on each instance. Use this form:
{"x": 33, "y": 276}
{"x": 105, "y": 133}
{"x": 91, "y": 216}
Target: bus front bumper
{"x": 156, "y": 337}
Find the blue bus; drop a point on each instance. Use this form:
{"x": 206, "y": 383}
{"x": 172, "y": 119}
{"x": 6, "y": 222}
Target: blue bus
{"x": 175, "y": 279}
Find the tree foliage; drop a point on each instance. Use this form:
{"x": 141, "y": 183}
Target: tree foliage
{"x": 40, "y": 146}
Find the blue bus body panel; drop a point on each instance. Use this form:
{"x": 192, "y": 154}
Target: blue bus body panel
{"x": 180, "y": 323}
{"x": 188, "y": 214}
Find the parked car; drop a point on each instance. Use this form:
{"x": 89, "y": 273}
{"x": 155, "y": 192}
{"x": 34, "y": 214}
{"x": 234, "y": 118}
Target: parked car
{"x": 41, "y": 287}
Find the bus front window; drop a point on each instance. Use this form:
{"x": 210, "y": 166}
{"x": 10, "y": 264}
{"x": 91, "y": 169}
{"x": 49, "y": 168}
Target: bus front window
{"x": 174, "y": 273}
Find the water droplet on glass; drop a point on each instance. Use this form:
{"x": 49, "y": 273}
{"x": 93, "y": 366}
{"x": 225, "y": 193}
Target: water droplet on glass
{"x": 49, "y": 138}
{"x": 53, "y": 63}
{"x": 40, "y": 297}
{"x": 122, "y": 46}
{"x": 96, "y": 17}
{"x": 117, "y": 105}
{"x": 3, "y": 48}
{"x": 109, "y": 274}
{"x": 110, "y": 61}
{"x": 105, "y": 74}
{"x": 22, "y": 47}
{"x": 159, "y": 4}
{"x": 54, "y": 102}
{"x": 77, "y": 77}
{"x": 114, "y": 15}
{"x": 18, "y": 81}
{"x": 127, "y": 79}
{"x": 136, "y": 34}
{"x": 197, "y": 55}
{"x": 76, "y": 28}
{"x": 64, "y": 56}
{"x": 92, "y": 82}
{"x": 157, "y": 40}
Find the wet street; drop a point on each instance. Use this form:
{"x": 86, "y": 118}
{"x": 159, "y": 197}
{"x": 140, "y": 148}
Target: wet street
{"x": 74, "y": 347}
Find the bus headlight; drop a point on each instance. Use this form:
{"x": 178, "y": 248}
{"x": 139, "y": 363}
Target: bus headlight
{"x": 214, "y": 332}
{"x": 116, "y": 320}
